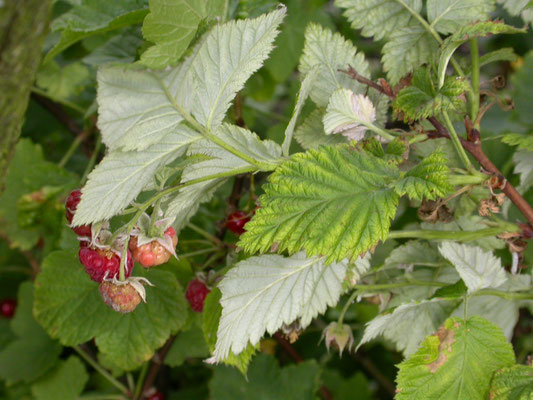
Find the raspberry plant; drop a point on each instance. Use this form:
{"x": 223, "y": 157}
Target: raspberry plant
{"x": 371, "y": 160}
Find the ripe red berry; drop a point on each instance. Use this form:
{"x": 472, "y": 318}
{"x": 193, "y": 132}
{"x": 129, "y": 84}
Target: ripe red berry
{"x": 122, "y": 298}
{"x": 8, "y": 308}
{"x": 70, "y": 207}
{"x": 153, "y": 253}
{"x": 157, "y": 396}
{"x": 98, "y": 262}
{"x": 236, "y": 222}
{"x": 196, "y": 293}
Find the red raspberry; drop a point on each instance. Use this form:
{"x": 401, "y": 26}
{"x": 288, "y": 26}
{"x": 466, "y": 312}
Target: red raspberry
{"x": 8, "y": 308}
{"x": 70, "y": 206}
{"x": 98, "y": 262}
{"x": 157, "y": 396}
{"x": 153, "y": 253}
{"x": 236, "y": 222}
{"x": 196, "y": 293}
{"x": 122, "y": 298}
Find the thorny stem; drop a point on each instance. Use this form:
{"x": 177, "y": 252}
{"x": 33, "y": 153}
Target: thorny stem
{"x": 474, "y": 98}
{"x": 102, "y": 371}
{"x": 474, "y": 148}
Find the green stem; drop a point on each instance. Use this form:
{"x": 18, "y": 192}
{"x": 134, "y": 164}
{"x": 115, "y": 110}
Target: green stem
{"x": 399, "y": 285}
{"x": 101, "y": 370}
{"x": 346, "y": 306}
{"x": 379, "y": 131}
{"x": 457, "y": 143}
{"x": 92, "y": 161}
{"x": 75, "y": 144}
{"x": 65, "y": 103}
{"x": 505, "y": 295}
{"x": 205, "y": 234}
{"x": 199, "y": 252}
{"x": 418, "y": 138}
{"x": 470, "y": 179}
{"x": 140, "y": 381}
{"x": 447, "y": 235}
{"x": 474, "y": 95}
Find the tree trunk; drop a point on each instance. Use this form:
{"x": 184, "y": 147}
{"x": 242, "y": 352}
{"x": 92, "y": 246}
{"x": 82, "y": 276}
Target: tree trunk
{"x": 23, "y": 26}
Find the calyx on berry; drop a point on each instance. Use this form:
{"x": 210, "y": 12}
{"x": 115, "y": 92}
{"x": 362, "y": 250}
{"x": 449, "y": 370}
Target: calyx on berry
{"x": 196, "y": 293}
{"x": 103, "y": 262}
{"x": 8, "y": 308}
{"x": 236, "y": 222}
{"x": 339, "y": 335}
{"x": 123, "y": 296}
{"x": 70, "y": 209}
{"x": 153, "y": 243}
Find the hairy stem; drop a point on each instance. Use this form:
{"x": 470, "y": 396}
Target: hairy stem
{"x": 449, "y": 235}
{"x": 457, "y": 144}
{"x": 474, "y": 97}
{"x": 346, "y": 306}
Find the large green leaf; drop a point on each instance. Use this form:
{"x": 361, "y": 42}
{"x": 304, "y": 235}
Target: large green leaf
{"x": 379, "y": 18}
{"x": 524, "y": 167}
{"x": 266, "y": 381}
{"x": 92, "y": 17}
{"x": 66, "y": 381}
{"x": 455, "y": 363}
{"x": 310, "y": 134}
{"x": 230, "y": 54}
{"x": 188, "y": 344}
{"x": 69, "y": 306}
{"x": 32, "y": 353}
{"x": 446, "y": 16}
{"x": 262, "y": 293}
{"x": 514, "y": 383}
{"x": 172, "y": 26}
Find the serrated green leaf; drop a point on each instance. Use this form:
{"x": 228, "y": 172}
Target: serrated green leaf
{"x": 424, "y": 149}
{"x": 29, "y": 172}
{"x": 122, "y": 175}
{"x": 210, "y": 321}
{"x": 62, "y": 83}
{"x": 66, "y": 381}
{"x": 330, "y": 52}
{"x": 455, "y": 363}
{"x": 379, "y": 18}
{"x": 332, "y": 202}
{"x": 120, "y": 49}
{"x": 397, "y": 326}
{"x": 524, "y": 167}
{"x": 188, "y": 344}
{"x": 479, "y": 29}
{"x": 524, "y": 142}
{"x": 514, "y": 383}
{"x": 69, "y": 306}
{"x": 171, "y": 26}
{"x": 257, "y": 291}
{"x": 310, "y": 134}
{"x": 32, "y": 353}
{"x": 504, "y": 54}
{"x": 229, "y": 55}
{"x": 447, "y": 16}
{"x": 92, "y": 17}
{"x": 413, "y": 253}
{"x": 266, "y": 381}
{"x": 478, "y": 269}
{"x": 421, "y": 100}
{"x": 428, "y": 179}
{"x": 409, "y": 47}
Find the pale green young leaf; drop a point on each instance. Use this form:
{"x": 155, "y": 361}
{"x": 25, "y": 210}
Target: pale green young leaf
{"x": 478, "y": 269}
{"x": 32, "y": 352}
{"x": 62, "y": 83}
{"x": 524, "y": 142}
{"x": 466, "y": 32}
{"x": 66, "y": 381}
{"x": 310, "y": 134}
{"x": 379, "y": 18}
{"x": 69, "y": 306}
{"x": 305, "y": 88}
{"x": 93, "y": 17}
{"x": 210, "y": 321}
{"x": 397, "y": 326}
{"x": 514, "y": 383}
{"x": 421, "y": 99}
{"x": 455, "y": 363}
{"x": 348, "y": 114}
{"x": 408, "y": 48}
{"x": 262, "y": 293}
{"x": 171, "y": 26}
{"x": 330, "y": 52}
{"x": 333, "y": 202}
{"x": 428, "y": 179}
{"x": 524, "y": 167}
{"x": 413, "y": 253}
{"x": 446, "y": 16}
{"x": 230, "y": 54}
{"x": 121, "y": 176}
